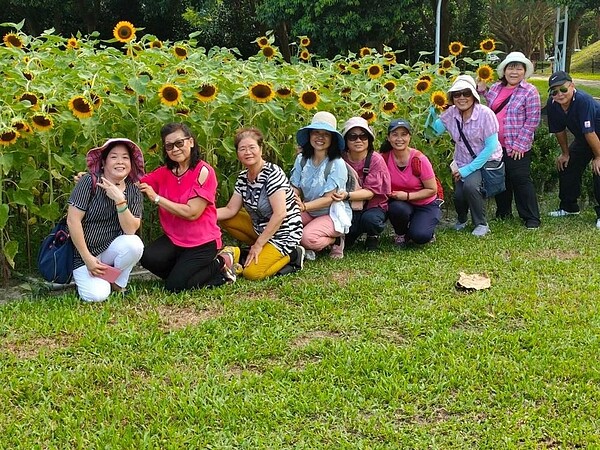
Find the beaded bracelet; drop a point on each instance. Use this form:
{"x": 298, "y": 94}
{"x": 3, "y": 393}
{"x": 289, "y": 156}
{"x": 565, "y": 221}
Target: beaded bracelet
{"x": 123, "y": 209}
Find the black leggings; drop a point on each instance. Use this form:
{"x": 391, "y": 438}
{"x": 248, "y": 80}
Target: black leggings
{"x": 183, "y": 267}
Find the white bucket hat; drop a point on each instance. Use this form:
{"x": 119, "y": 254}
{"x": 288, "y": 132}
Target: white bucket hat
{"x": 514, "y": 57}
{"x": 359, "y": 122}
{"x": 322, "y": 120}
{"x": 461, "y": 83}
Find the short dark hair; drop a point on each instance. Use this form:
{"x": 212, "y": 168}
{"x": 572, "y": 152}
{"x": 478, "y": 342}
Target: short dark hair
{"x": 503, "y": 79}
{"x": 333, "y": 152}
{"x": 195, "y": 151}
{"x": 251, "y": 132}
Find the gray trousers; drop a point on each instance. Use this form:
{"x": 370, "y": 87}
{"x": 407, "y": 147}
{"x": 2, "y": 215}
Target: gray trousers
{"x": 467, "y": 196}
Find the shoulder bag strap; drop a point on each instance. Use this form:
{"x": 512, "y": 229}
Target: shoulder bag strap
{"x": 501, "y": 106}
{"x": 464, "y": 138}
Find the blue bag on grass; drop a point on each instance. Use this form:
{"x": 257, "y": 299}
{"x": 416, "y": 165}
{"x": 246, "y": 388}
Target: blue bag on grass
{"x": 55, "y": 259}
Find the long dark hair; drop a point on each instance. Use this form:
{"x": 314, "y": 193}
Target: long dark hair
{"x": 333, "y": 152}
{"x": 195, "y": 150}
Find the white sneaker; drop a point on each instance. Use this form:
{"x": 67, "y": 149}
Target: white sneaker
{"x": 460, "y": 226}
{"x": 562, "y": 213}
{"x": 598, "y": 224}
{"x": 310, "y": 255}
{"x": 299, "y": 262}
{"x": 481, "y": 230}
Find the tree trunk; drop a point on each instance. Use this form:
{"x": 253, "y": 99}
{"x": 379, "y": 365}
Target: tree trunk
{"x": 281, "y": 32}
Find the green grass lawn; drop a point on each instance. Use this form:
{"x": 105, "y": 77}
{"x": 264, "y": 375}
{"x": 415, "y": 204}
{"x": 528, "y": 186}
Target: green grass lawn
{"x": 373, "y": 351}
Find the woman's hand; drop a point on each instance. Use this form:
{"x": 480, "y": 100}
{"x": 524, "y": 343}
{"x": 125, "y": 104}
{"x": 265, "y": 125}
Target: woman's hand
{"x": 94, "y": 266}
{"x": 481, "y": 86}
{"x": 253, "y": 254}
{"x": 339, "y": 196}
{"x": 113, "y": 191}
{"x": 78, "y": 176}
{"x": 399, "y": 195}
{"x": 147, "y": 189}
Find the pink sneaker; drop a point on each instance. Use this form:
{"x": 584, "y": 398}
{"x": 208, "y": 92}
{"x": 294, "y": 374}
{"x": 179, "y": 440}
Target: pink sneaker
{"x": 400, "y": 240}
{"x": 337, "y": 250}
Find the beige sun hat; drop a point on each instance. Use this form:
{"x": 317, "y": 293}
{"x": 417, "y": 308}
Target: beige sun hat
{"x": 461, "y": 83}
{"x": 359, "y": 122}
{"x": 514, "y": 57}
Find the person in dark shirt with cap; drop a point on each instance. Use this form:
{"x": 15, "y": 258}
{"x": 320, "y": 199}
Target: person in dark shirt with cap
{"x": 578, "y": 111}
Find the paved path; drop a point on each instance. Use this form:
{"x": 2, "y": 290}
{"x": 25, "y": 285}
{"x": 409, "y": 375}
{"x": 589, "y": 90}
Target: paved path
{"x": 578, "y": 81}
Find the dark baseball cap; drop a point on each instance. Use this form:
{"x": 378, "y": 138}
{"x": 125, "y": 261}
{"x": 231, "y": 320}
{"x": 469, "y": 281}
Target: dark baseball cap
{"x": 558, "y": 79}
{"x": 397, "y": 123}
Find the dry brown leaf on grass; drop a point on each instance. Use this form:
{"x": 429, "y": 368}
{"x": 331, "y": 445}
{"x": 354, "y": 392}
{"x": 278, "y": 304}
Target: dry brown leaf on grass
{"x": 475, "y": 281}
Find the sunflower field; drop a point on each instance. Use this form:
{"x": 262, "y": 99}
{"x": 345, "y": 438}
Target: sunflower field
{"x": 62, "y": 96}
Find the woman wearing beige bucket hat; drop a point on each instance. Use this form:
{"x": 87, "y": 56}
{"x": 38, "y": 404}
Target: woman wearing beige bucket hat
{"x": 319, "y": 172}
{"x": 518, "y": 109}
{"x": 474, "y": 129}
{"x": 105, "y": 210}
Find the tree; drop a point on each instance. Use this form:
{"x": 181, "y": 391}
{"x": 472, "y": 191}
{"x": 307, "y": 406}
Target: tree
{"x": 521, "y": 24}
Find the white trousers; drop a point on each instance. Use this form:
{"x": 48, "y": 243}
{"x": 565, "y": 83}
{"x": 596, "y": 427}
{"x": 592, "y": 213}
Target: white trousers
{"x": 123, "y": 253}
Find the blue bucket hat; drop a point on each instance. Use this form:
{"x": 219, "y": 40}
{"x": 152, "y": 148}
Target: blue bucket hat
{"x": 321, "y": 121}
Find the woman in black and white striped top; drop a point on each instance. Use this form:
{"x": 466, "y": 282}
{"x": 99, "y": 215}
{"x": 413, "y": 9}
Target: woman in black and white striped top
{"x": 105, "y": 210}
{"x": 270, "y": 218}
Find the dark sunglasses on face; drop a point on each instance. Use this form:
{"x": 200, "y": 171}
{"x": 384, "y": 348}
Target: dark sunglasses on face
{"x": 361, "y": 136}
{"x": 466, "y": 94}
{"x": 178, "y": 143}
{"x": 563, "y": 89}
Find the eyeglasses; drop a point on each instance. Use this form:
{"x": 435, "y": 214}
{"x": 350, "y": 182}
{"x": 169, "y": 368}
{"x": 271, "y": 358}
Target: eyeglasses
{"x": 563, "y": 89}
{"x": 361, "y": 136}
{"x": 178, "y": 143}
{"x": 466, "y": 94}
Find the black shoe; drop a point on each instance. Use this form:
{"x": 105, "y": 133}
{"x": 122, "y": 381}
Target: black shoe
{"x": 372, "y": 243}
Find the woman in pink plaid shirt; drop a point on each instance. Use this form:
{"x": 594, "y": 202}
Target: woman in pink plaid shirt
{"x": 517, "y": 106}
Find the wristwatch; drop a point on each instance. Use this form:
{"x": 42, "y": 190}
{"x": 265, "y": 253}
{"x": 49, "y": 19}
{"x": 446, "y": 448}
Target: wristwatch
{"x": 156, "y": 199}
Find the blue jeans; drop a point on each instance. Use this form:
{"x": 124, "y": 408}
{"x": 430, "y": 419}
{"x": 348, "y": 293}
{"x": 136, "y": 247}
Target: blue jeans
{"x": 417, "y": 222}
{"x": 370, "y": 221}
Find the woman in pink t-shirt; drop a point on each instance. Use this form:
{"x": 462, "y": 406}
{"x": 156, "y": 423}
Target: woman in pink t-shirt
{"x": 184, "y": 190}
{"x": 413, "y": 206}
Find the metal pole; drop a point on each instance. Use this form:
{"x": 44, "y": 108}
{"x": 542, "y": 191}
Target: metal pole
{"x": 438, "y": 16}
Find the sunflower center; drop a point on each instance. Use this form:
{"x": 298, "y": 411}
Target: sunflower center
{"x": 170, "y": 94}
{"x": 261, "y": 91}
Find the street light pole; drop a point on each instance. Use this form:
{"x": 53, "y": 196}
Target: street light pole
{"x": 438, "y": 18}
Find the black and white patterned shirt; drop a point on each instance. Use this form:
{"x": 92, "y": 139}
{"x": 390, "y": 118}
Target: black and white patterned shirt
{"x": 101, "y": 222}
{"x": 255, "y": 198}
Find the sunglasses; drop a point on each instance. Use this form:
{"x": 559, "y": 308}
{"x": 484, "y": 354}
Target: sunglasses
{"x": 466, "y": 94}
{"x": 178, "y": 143}
{"x": 361, "y": 136}
{"x": 563, "y": 89}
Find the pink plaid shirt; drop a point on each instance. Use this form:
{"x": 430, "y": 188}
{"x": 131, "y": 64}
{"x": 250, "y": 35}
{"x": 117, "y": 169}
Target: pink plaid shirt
{"x": 522, "y": 115}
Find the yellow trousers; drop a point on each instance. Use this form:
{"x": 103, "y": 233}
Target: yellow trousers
{"x": 270, "y": 260}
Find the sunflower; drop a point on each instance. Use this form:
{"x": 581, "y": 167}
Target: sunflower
{"x": 456, "y": 48}
{"x": 12, "y": 40}
{"x": 309, "y": 99}
{"x": 81, "y": 107}
{"x": 354, "y": 67}
{"x": 183, "y": 111}
{"x": 304, "y": 41}
{"x": 345, "y": 92}
{"x": 390, "y": 85}
{"x": 96, "y": 100}
{"x": 169, "y": 94}
{"x": 446, "y": 63}
{"x": 28, "y": 75}
{"x": 42, "y": 122}
{"x": 438, "y": 98}
{"x": 180, "y": 51}
{"x": 21, "y": 126}
{"x": 261, "y": 92}
{"x": 31, "y": 98}
{"x": 369, "y": 116}
{"x": 8, "y": 136}
{"x": 181, "y": 71}
{"x": 156, "y": 44}
{"x": 485, "y": 73}
{"x": 441, "y": 72}
{"x": 304, "y": 55}
{"x": 426, "y": 78}
{"x": 487, "y": 45}
{"x": 422, "y": 86}
{"x": 124, "y": 31}
{"x": 284, "y": 92}
{"x": 207, "y": 93}
{"x": 366, "y": 105}
{"x": 364, "y": 51}
{"x": 268, "y": 51}
{"x": 374, "y": 71}
{"x": 72, "y": 43}
{"x": 390, "y": 57}
{"x": 389, "y": 107}
{"x": 262, "y": 41}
